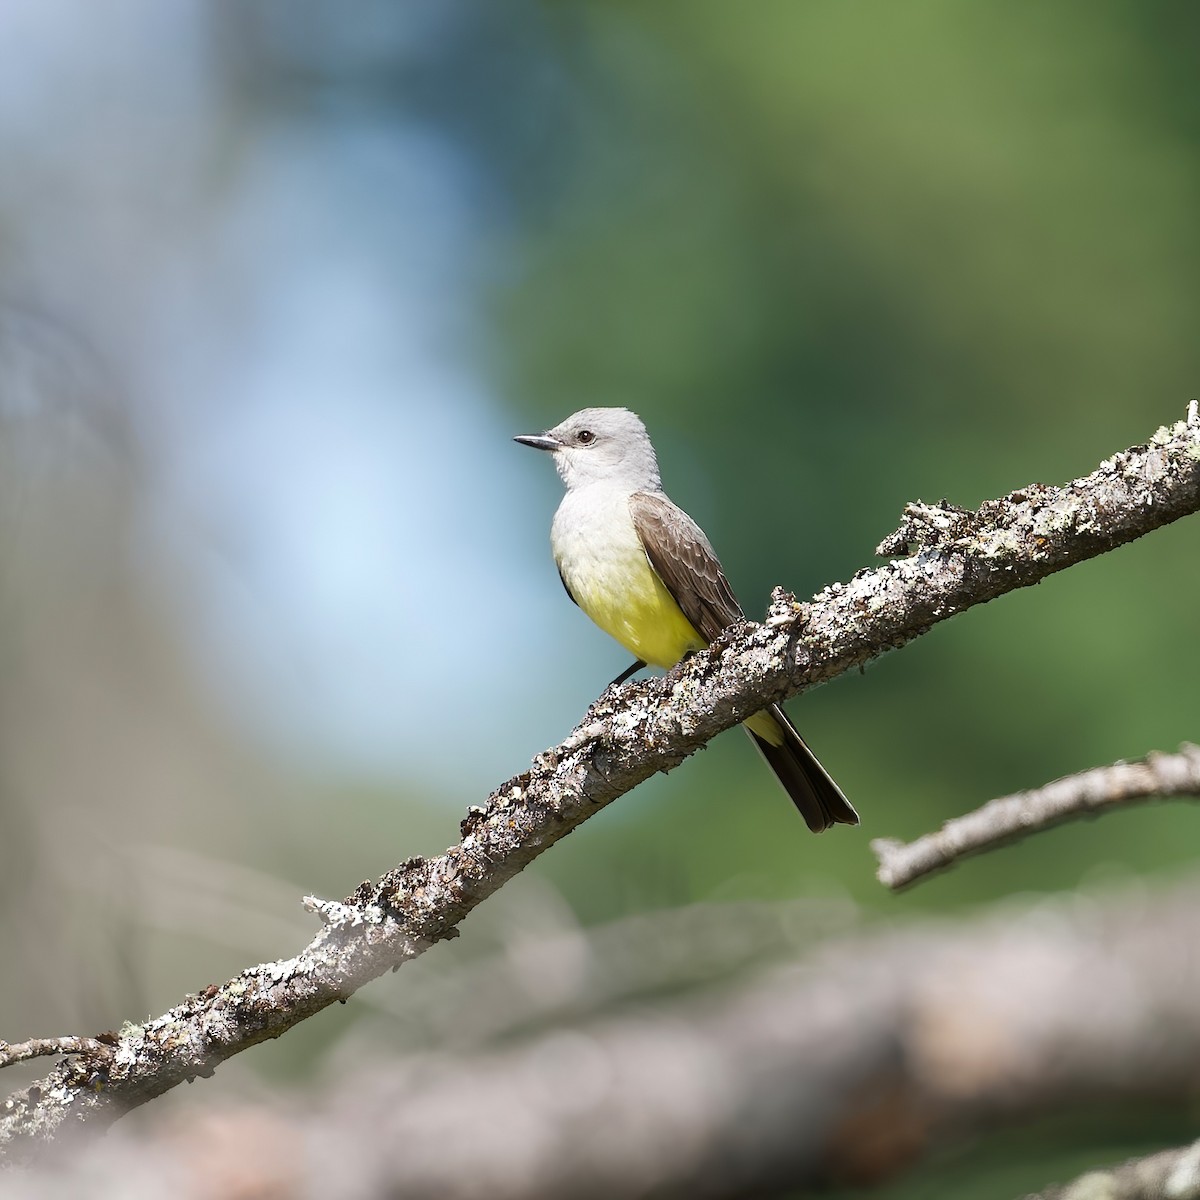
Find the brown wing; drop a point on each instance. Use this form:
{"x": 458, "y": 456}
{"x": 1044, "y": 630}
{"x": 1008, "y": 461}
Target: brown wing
{"x": 681, "y": 555}
{"x": 686, "y": 563}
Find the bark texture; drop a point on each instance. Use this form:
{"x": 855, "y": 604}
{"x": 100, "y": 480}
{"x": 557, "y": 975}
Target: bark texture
{"x": 956, "y": 559}
{"x": 843, "y": 1065}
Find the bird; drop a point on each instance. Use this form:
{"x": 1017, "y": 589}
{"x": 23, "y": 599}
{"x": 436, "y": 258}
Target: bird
{"x": 646, "y": 574}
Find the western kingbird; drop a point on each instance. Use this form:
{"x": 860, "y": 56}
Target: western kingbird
{"x": 643, "y": 570}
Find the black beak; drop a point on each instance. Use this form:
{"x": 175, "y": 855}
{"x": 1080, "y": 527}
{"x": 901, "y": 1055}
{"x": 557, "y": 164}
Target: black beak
{"x": 539, "y": 441}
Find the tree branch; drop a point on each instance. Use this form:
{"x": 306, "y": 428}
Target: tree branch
{"x": 98, "y": 1047}
{"x": 846, "y": 1063}
{"x": 1168, "y": 1175}
{"x": 961, "y": 559}
{"x": 1010, "y": 818}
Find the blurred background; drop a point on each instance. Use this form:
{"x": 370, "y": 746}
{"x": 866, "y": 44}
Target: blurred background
{"x": 280, "y": 280}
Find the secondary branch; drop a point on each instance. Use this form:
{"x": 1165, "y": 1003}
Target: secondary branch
{"x": 1010, "y": 818}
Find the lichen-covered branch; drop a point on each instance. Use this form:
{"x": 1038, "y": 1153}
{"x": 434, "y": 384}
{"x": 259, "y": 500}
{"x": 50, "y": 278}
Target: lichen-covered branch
{"x": 97, "y": 1047}
{"x": 845, "y": 1063}
{"x": 1010, "y": 818}
{"x": 1169, "y": 1175}
{"x": 956, "y": 559}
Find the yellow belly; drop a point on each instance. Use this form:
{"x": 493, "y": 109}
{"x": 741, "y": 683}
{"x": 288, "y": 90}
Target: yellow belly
{"x": 625, "y": 597}
{"x": 605, "y": 568}
{"x": 635, "y": 607}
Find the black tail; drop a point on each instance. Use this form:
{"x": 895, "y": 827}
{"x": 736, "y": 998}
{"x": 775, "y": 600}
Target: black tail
{"x": 810, "y": 786}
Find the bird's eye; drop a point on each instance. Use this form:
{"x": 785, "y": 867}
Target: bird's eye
{"x": 585, "y": 437}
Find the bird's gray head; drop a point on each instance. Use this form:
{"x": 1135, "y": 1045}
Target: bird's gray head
{"x": 601, "y": 445}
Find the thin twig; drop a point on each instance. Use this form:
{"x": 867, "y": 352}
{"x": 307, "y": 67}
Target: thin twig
{"x": 1010, "y": 818}
{"x": 961, "y": 559}
{"x": 100, "y": 1048}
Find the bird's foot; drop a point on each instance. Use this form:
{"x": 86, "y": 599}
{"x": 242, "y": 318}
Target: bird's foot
{"x": 615, "y": 686}
{"x": 624, "y": 675}
{"x": 681, "y": 665}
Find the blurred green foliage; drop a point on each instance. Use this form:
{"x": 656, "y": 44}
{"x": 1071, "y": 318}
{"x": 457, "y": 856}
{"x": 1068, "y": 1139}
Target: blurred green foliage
{"x": 840, "y": 256}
